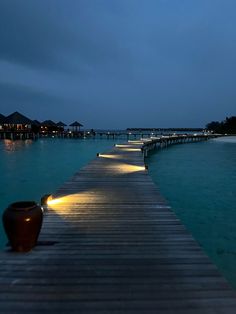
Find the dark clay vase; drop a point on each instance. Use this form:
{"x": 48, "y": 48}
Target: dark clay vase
{"x": 22, "y": 222}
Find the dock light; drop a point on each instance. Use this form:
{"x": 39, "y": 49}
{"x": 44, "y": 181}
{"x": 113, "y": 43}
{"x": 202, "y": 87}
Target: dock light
{"x": 45, "y": 199}
{"x": 54, "y": 201}
{"x": 111, "y": 156}
{"x": 98, "y": 154}
{"x": 132, "y": 149}
{"x": 146, "y": 167}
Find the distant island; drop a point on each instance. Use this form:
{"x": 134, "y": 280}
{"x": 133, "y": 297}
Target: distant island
{"x": 228, "y": 126}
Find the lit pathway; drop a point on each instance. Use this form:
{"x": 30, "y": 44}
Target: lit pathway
{"x": 110, "y": 244}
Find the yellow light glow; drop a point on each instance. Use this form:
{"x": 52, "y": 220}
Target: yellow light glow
{"x": 109, "y": 156}
{"x": 131, "y": 168}
{"x": 133, "y": 149}
{"x": 123, "y": 168}
{"x": 67, "y": 204}
{"x": 122, "y": 145}
{"x": 54, "y": 201}
{"x": 136, "y": 142}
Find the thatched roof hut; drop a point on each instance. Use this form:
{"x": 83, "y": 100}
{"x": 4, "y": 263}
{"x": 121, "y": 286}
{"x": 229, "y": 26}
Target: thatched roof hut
{"x": 48, "y": 123}
{"x": 36, "y": 123}
{"x": 76, "y": 125}
{"x": 17, "y": 120}
{"x": 61, "y": 124}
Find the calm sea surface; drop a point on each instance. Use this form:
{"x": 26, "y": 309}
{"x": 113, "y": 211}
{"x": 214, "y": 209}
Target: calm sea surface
{"x": 198, "y": 180}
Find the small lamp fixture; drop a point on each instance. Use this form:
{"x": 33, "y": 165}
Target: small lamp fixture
{"x": 98, "y": 154}
{"x": 44, "y": 201}
{"x": 146, "y": 167}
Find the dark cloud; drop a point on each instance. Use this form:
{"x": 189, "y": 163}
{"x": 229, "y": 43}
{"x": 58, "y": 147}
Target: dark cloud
{"x": 27, "y": 37}
{"x": 26, "y": 98}
{"x": 49, "y": 33}
{"x": 119, "y": 63}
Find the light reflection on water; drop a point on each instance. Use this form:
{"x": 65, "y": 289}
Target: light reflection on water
{"x": 12, "y": 146}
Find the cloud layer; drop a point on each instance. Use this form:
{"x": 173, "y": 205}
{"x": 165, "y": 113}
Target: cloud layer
{"x": 120, "y": 63}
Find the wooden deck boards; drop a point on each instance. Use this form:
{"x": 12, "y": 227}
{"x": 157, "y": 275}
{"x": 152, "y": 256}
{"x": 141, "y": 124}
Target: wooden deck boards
{"x": 112, "y": 245}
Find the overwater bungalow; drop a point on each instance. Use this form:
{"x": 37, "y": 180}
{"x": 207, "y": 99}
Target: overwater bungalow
{"x": 17, "y": 122}
{"x": 61, "y": 126}
{"x": 75, "y": 125}
{"x": 16, "y": 126}
{"x": 48, "y": 126}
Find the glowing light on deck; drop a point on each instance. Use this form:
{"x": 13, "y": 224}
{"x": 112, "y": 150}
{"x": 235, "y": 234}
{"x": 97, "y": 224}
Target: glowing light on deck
{"x": 74, "y": 202}
{"x": 123, "y": 168}
{"x": 136, "y": 142}
{"x": 132, "y": 149}
{"x": 54, "y": 201}
{"x": 131, "y": 168}
{"x": 128, "y": 148}
{"x": 123, "y": 146}
{"x": 109, "y": 156}
{"x": 67, "y": 204}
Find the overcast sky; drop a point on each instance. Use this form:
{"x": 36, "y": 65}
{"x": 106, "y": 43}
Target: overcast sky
{"x": 119, "y": 63}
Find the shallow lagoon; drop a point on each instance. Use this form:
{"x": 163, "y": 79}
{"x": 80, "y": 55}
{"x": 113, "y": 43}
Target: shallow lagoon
{"x": 199, "y": 181}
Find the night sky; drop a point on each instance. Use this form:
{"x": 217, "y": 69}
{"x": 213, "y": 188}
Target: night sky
{"x": 119, "y": 63}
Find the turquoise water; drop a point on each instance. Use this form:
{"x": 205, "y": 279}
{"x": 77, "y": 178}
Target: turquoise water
{"x": 199, "y": 181}
{"x": 31, "y": 169}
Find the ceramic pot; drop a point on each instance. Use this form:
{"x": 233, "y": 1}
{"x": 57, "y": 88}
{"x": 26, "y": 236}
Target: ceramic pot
{"x": 22, "y": 222}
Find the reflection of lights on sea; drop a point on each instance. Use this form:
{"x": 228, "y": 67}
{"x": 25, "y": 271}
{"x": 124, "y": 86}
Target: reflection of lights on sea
{"x": 11, "y": 146}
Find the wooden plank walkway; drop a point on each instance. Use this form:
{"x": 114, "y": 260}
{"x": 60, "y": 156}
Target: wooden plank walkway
{"x": 111, "y": 244}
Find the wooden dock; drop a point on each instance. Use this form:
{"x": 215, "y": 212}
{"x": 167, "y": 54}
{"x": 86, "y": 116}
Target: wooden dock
{"x": 111, "y": 244}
